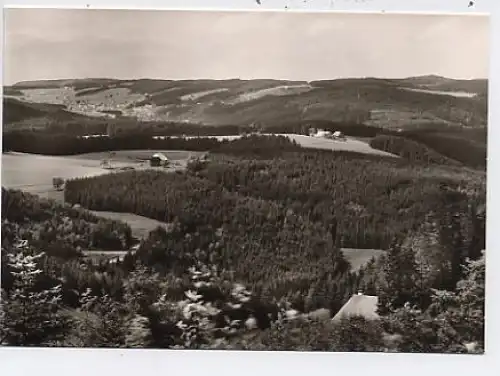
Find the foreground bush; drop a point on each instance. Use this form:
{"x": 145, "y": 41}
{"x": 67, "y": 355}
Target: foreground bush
{"x": 59, "y": 229}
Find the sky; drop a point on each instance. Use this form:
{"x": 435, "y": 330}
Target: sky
{"x": 128, "y": 44}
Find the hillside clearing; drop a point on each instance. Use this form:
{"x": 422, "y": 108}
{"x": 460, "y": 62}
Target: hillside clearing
{"x": 351, "y": 144}
{"x": 128, "y": 155}
{"x": 33, "y": 173}
{"x": 360, "y": 257}
{"x": 273, "y": 91}
{"x": 457, "y": 94}
{"x": 141, "y": 226}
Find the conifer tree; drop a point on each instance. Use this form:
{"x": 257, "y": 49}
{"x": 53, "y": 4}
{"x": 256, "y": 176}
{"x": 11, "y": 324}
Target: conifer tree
{"x": 30, "y": 316}
{"x": 453, "y": 246}
{"x": 463, "y": 308}
{"x": 101, "y": 321}
{"x": 403, "y": 282}
{"x": 453, "y": 323}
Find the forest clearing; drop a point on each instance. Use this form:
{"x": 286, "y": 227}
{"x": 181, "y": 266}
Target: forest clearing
{"x": 34, "y": 173}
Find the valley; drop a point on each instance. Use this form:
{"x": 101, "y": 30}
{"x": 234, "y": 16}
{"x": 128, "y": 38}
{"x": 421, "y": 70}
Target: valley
{"x": 251, "y": 189}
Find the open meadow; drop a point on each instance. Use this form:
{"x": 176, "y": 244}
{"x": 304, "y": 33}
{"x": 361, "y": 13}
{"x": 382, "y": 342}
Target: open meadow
{"x": 141, "y": 226}
{"x": 350, "y": 144}
{"x": 131, "y": 156}
{"x": 33, "y": 173}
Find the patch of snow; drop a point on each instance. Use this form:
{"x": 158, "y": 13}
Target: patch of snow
{"x": 457, "y": 94}
{"x": 200, "y": 94}
{"x": 273, "y": 91}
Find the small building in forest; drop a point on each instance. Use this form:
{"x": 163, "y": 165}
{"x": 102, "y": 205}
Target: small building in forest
{"x": 322, "y": 133}
{"x": 158, "y": 160}
{"x": 338, "y": 135}
{"x": 359, "y": 305}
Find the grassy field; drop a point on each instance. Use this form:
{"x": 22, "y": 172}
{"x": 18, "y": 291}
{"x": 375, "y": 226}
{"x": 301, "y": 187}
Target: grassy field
{"x": 125, "y": 156}
{"x": 351, "y": 144}
{"x": 34, "y": 173}
{"x": 360, "y": 257}
{"x": 141, "y": 226}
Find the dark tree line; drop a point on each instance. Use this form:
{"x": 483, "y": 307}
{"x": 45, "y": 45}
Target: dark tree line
{"x": 410, "y": 150}
{"x": 61, "y": 137}
{"x": 458, "y": 147}
{"x": 40, "y": 143}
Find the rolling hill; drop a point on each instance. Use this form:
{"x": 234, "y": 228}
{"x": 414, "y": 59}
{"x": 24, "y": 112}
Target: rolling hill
{"x": 18, "y": 111}
{"x": 480, "y": 87}
{"x": 385, "y": 103}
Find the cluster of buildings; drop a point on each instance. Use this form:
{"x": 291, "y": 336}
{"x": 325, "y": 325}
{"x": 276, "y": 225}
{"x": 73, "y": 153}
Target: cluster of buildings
{"x": 336, "y": 135}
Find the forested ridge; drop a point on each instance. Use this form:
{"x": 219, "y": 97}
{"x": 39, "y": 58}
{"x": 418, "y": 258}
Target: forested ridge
{"x": 47, "y": 144}
{"x": 449, "y": 141}
{"x": 252, "y": 251}
{"x": 370, "y": 198}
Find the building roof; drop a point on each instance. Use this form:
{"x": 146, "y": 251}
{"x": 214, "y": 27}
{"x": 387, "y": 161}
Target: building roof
{"x": 359, "y": 305}
{"x": 160, "y": 156}
{"x": 322, "y": 133}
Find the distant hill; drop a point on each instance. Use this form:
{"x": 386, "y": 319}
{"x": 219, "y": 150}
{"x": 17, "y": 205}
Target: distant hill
{"x": 384, "y": 103}
{"x": 75, "y": 83}
{"x": 18, "y": 111}
{"x": 430, "y": 79}
{"x": 479, "y": 86}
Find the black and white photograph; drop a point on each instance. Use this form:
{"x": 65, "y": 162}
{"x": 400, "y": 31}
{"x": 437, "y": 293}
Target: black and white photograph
{"x": 244, "y": 180}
